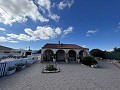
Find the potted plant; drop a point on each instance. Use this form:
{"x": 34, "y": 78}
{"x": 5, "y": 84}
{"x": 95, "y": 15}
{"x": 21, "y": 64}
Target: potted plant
{"x": 23, "y": 65}
{"x": 20, "y": 66}
{"x": 11, "y": 70}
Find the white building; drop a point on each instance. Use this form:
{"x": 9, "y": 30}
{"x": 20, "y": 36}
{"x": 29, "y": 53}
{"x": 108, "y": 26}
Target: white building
{"x": 63, "y": 52}
{"x": 6, "y": 51}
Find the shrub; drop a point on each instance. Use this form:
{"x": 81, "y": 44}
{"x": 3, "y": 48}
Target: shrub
{"x": 11, "y": 68}
{"x": 50, "y": 68}
{"x": 19, "y": 66}
{"x": 89, "y": 61}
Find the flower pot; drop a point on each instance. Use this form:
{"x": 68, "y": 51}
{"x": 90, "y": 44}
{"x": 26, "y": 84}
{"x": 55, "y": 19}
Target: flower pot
{"x": 23, "y": 67}
{"x": 11, "y": 72}
{"x": 94, "y": 66}
{"x": 18, "y": 68}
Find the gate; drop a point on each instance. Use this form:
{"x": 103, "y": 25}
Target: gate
{"x": 2, "y": 68}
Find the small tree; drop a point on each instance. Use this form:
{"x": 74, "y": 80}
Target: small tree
{"x": 116, "y": 49}
{"x": 39, "y": 51}
{"x": 97, "y": 53}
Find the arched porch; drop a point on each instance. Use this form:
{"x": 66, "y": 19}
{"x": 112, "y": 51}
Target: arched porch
{"x": 48, "y": 55}
{"x": 60, "y": 55}
{"x": 82, "y": 54}
{"x": 71, "y": 55}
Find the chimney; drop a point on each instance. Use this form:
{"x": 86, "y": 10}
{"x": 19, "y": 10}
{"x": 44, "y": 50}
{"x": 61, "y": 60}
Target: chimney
{"x": 59, "y": 42}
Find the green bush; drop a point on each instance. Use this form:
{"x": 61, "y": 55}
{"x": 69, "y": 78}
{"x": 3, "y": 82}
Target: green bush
{"x": 50, "y": 68}
{"x": 11, "y": 68}
{"x": 89, "y": 61}
{"x": 19, "y": 66}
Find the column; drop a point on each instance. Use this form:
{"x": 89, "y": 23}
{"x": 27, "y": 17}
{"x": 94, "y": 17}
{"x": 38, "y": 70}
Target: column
{"x": 77, "y": 58}
{"x": 54, "y": 60}
{"x": 41, "y": 57}
{"x": 66, "y": 59}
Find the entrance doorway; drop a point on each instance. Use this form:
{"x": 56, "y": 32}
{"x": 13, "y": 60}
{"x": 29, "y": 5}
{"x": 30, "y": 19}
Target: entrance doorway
{"x": 60, "y": 55}
{"x": 72, "y": 55}
{"x": 48, "y": 55}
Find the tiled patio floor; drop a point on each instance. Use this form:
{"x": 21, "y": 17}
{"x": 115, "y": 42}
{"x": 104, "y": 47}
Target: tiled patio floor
{"x": 72, "y": 77}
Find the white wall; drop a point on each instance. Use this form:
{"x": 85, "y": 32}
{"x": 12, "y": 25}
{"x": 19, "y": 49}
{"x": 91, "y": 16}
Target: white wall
{"x": 10, "y": 63}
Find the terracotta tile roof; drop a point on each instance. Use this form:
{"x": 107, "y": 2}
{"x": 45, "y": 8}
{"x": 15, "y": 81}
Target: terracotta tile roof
{"x": 64, "y": 46}
{"x": 5, "y": 48}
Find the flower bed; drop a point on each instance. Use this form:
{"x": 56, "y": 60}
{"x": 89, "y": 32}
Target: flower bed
{"x": 20, "y": 66}
{"x": 11, "y": 70}
{"x": 50, "y": 69}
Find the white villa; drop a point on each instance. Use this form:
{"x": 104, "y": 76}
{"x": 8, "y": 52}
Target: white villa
{"x": 63, "y": 52}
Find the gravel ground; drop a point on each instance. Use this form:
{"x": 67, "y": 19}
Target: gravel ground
{"x": 72, "y": 77}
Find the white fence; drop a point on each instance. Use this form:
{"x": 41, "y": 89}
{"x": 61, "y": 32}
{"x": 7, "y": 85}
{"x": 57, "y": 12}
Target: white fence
{"x": 5, "y": 64}
{"x": 2, "y": 68}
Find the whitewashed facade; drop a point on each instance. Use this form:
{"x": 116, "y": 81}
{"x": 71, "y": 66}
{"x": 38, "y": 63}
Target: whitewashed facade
{"x": 64, "y": 52}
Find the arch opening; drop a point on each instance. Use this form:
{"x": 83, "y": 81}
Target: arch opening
{"x": 60, "y": 55}
{"x": 48, "y": 55}
{"x": 71, "y": 55}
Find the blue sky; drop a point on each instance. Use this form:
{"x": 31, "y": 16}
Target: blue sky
{"x": 89, "y": 23}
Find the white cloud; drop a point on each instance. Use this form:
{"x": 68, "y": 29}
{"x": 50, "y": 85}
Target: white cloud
{"x": 18, "y": 10}
{"x": 54, "y": 17}
{"x": 118, "y": 28}
{"x": 12, "y": 35}
{"x": 67, "y": 31}
{"x": 87, "y": 35}
{"x": 91, "y": 32}
{"x": 13, "y": 41}
{"x": 45, "y": 32}
{"x": 40, "y": 33}
{"x": 3, "y": 39}
{"x": 45, "y": 4}
{"x": 83, "y": 46}
{"x": 65, "y": 3}
{"x": 58, "y": 30}
{"x": 110, "y": 50}
{"x": 2, "y": 29}
{"x": 22, "y": 37}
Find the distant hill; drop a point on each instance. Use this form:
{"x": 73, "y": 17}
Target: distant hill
{"x": 5, "y": 48}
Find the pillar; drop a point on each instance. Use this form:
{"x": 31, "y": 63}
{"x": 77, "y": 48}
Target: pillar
{"x": 66, "y": 59}
{"x": 41, "y": 57}
{"x": 54, "y": 60}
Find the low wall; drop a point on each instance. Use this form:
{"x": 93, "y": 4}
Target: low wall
{"x": 8, "y": 63}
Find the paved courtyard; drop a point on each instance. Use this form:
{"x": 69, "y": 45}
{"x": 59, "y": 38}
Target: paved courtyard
{"x": 72, "y": 77}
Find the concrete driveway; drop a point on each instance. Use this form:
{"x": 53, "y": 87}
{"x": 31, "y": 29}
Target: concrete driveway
{"x": 73, "y": 76}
